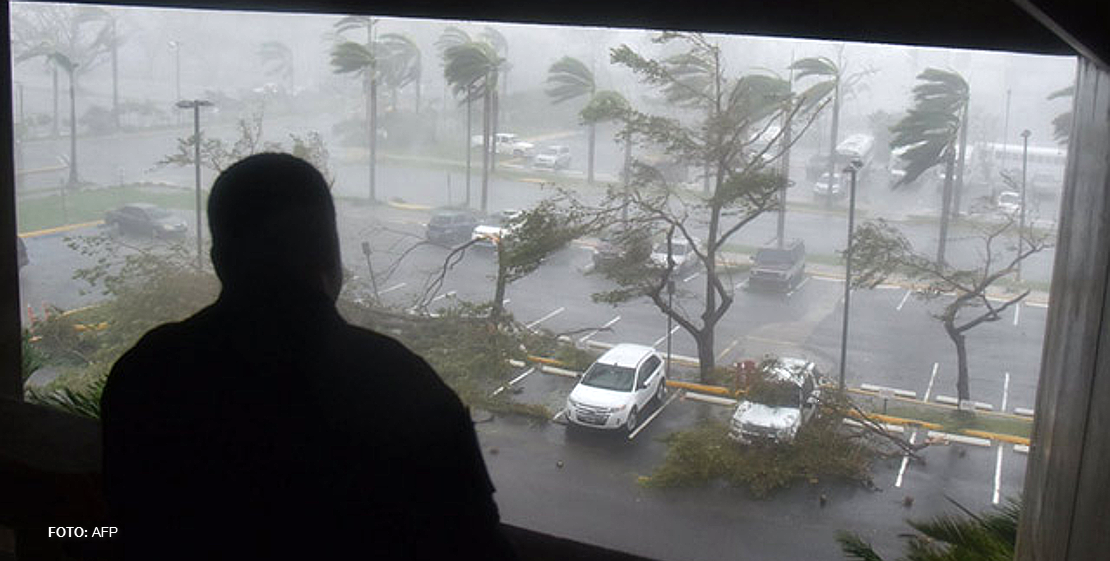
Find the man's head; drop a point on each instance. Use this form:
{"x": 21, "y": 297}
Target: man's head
{"x": 273, "y": 223}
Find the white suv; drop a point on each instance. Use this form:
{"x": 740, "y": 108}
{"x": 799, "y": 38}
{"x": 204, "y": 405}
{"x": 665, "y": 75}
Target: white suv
{"x": 617, "y": 387}
{"x": 786, "y": 400}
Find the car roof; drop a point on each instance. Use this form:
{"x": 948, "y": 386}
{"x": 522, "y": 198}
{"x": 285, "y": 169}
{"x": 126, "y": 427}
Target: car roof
{"x": 450, "y": 212}
{"x": 626, "y": 354}
{"x": 141, "y": 205}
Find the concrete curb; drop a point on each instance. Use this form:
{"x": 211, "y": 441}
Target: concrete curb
{"x": 407, "y": 206}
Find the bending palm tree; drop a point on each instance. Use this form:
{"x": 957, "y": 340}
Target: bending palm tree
{"x": 401, "y": 59}
{"x": 349, "y": 57}
{"x": 277, "y": 60}
{"x": 471, "y": 69}
{"x": 834, "y": 82}
{"x": 567, "y": 79}
{"x": 1061, "y": 124}
{"x": 452, "y": 37}
{"x": 930, "y": 130}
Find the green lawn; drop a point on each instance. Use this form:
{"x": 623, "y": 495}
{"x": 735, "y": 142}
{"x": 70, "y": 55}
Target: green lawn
{"x": 75, "y": 207}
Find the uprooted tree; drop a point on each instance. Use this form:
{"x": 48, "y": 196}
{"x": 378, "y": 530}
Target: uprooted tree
{"x": 880, "y": 251}
{"x": 726, "y": 117}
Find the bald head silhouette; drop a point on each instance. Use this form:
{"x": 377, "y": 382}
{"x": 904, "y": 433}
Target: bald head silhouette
{"x": 272, "y": 221}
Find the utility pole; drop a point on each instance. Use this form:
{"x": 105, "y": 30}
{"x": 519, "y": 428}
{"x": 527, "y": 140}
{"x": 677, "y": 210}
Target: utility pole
{"x": 1021, "y": 213}
{"x": 195, "y": 105}
{"x": 851, "y": 169}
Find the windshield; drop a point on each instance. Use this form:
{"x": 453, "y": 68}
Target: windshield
{"x": 549, "y": 152}
{"x": 609, "y": 377}
{"x": 159, "y": 213}
{"x": 441, "y": 220}
{"x": 677, "y": 248}
{"x": 773, "y": 256}
{"x": 778, "y": 395}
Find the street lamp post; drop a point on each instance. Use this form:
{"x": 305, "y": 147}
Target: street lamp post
{"x": 1021, "y": 212}
{"x": 670, "y": 300}
{"x": 851, "y": 169}
{"x": 176, "y": 48}
{"x": 195, "y": 105}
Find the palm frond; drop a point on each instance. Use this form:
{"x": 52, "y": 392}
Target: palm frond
{"x": 451, "y": 37}
{"x": 814, "y": 66}
{"x": 496, "y": 39}
{"x": 471, "y": 68}
{"x": 854, "y": 547}
{"x": 350, "y": 23}
{"x": 351, "y": 57}
{"x": 569, "y": 78}
{"x": 1063, "y": 92}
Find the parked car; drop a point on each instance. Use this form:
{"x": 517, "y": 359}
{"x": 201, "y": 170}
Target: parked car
{"x": 490, "y": 231}
{"x": 817, "y": 165}
{"x": 825, "y": 188}
{"x": 681, "y": 252}
{"x": 782, "y": 399}
{"x": 553, "y": 157}
{"x": 1009, "y": 202}
{"x": 450, "y": 226}
{"x": 780, "y": 269}
{"x": 145, "y": 219}
{"x": 615, "y": 246}
{"x": 506, "y": 143}
{"x": 616, "y": 388}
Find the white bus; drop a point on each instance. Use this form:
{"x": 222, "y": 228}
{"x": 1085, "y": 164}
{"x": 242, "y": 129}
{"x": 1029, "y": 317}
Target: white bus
{"x": 1044, "y": 172}
{"x": 856, "y": 147}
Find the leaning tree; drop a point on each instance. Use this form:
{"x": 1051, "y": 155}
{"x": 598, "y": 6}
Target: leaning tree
{"x": 724, "y": 116}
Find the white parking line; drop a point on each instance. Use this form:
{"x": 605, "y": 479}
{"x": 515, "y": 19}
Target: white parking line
{"x": 932, "y": 378}
{"x": 905, "y": 462}
{"x": 659, "y": 410}
{"x": 550, "y": 315}
{"x": 392, "y": 288}
{"x": 1005, "y": 391}
{"x": 1017, "y": 313}
{"x": 692, "y": 277}
{"x": 740, "y": 284}
{"x": 664, "y": 338}
{"x": 522, "y": 376}
{"x": 442, "y": 296}
{"x": 997, "y": 475}
{"x": 797, "y": 288}
{"x": 608, "y": 324}
{"x": 727, "y": 349}
{"x": 828, "y": 279}
{"x": 903, "y": 302}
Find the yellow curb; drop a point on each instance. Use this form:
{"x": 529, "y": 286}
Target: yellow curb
{"x": 408, "y": 206}
{"x": 60, "y": 229}
{"x": 996, "y": 436}
{"x": 699, "y": 387}
{"x": 40, "y": 170}
{"x": 545, "y": 360}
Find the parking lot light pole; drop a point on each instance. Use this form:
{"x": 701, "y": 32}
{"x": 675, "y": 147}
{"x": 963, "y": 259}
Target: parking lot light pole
{"x": 1021, "y": 212}
{"x": 195, "y": 105}
{"x": 670, "y": 299}
{"x": 851, "y": 169}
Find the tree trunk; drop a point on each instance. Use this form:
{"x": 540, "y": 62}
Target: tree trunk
{"x": 499, "y": 285}
{"x": 590, "y": 163}
{"x": 115, "y": 76}
{"x": 372, "y": 118}
{"x": 945, "y": 207}
{"x": 962, "y": 391}
{"x": 706, "y": 357}
{"x": 54, "y": 82}
{"x": 486, "y": 142}
{"x": 705, "y": 338}
{"x": 495, "y": 102}
{"x": 72, "y": 129}
{"x": 834, "y": 130}
{"x": 780, "y": 230}
{"x": 417, "y": 108}
{"x": 469, "y": 150}
{"x": 960, "y": 165}
{"x": 627, "y": 173}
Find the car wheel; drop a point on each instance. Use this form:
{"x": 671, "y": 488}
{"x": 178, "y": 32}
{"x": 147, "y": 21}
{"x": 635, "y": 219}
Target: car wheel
{"x": 632, "y": 422}
{"x": 661, "y": 391}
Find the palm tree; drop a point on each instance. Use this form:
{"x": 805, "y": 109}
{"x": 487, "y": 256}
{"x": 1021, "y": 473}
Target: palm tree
{"x": 834, "y": 82}
{"x": 453, "y": 36}
{"x": 1061, "y": 124}
{"x": 501, "y": 46}
{"x": 471, "y": 69}
{"x": 64, "y": 38}
{"x": 567, "y": 79}
{"x": 277, "y": 60}
{"x": 349, "y": 57}
{"x": 930, "y": 130}
{"x": 401, "y": 65}
{"x": 973, "y": 537}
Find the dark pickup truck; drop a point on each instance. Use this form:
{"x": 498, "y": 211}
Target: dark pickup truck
{"x": 778, "y": 269}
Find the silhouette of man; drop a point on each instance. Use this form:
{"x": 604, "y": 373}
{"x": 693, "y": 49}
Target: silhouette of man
{"x": 266, "y": 427}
